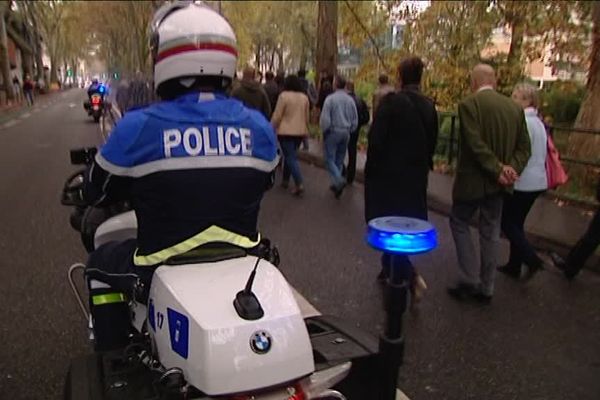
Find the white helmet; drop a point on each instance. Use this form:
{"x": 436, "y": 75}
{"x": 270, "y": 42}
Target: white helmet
{"x": 191, "y": 40}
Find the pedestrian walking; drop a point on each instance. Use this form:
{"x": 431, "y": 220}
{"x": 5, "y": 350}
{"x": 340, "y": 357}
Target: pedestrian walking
{"x": 494, "y": 148}
{"x": 338, "y": 119}
{"x": 311, "y": 92}
{"x": 272, "y": 89}
{"x": 308, "y": 88}
{"x": 530, "y": 185}
{"x": 363, "y": 118}
{"x": 17, "y": 89}
{"x": 383, "y": 89}
{"x": 584, "y": 247}
{"x": 401, "y": 144}
{"x": 28, "y": 86}
{"x": 324, "y": 91}
{"x": 251, "y": 93}
{"x": 290, "y": 120}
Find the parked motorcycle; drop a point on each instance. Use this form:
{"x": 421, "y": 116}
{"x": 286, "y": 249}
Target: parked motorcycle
{"x": 224, "y": 325}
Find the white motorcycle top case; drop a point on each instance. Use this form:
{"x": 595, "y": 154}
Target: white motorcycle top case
{"x": 195, "y": 327}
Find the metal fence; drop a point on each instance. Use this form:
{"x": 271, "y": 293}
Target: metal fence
{"x": 579, "y": 188}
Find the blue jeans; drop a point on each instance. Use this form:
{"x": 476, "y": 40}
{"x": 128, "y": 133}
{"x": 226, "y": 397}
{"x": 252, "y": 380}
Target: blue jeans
{"x": 289, "y": 147}
{"x": 336, "y": 145}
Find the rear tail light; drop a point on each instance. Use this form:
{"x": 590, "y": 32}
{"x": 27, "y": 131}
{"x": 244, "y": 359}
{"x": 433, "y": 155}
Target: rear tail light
{"x": 96, "y": 100}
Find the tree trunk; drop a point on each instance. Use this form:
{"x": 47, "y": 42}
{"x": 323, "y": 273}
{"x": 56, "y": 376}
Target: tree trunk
{"x": 516, "y": 41}
{"x": 27, "y": 64}
{"x": 303, "y": 59}
{"x": 74, "y": 69}
{"x": 581, "y": 145}
{"x": 588, "y": 116}
{"x": 53, "y": 69}
{"x": 327, "y": 39}
{"x": 257, "y": 55}
{"x": 39, "y": 62}
{"x": 281, "y": 67}
{"x": 4, "y": 62}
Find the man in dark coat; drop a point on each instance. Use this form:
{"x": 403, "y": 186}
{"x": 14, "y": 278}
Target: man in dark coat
{"x": 272, "y": 89}
{"x": 363, "y": 118}
{"x": 401, "y": 144}
{"x": 251, "y": 93}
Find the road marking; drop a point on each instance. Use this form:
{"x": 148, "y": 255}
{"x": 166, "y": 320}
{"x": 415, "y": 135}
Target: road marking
{"x": 10, "y": 123}
{"x": 400, "y": 395}
{"x": 26, "y": 115}
{"x": 72, "y": 105}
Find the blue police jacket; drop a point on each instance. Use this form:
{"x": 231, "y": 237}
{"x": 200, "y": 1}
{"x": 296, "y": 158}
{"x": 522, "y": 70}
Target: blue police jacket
{"x": 195, "y": 169}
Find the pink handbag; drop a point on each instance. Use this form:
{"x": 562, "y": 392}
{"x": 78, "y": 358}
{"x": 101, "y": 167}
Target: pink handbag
{"x": 555, "y": 172}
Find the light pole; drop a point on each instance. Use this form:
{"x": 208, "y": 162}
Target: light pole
{"x": 397, "y": 237}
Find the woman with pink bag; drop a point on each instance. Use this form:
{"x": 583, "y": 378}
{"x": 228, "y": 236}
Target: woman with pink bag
{"x": 532, "y": 182}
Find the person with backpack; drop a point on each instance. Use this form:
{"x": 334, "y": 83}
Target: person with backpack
{"x": 363, "y": 119}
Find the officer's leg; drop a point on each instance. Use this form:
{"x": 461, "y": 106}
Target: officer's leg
{"x": 111, "y": 281}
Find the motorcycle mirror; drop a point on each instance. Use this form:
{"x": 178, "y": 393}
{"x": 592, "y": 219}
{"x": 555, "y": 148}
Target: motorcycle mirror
{"x": 84, "y": 156}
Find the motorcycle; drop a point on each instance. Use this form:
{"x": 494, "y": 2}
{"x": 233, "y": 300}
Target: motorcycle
{"x": 223, "y": 325}
{"x": 95, "y": 106}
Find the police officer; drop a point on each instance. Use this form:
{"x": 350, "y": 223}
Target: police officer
{"x": 194, "y": 165}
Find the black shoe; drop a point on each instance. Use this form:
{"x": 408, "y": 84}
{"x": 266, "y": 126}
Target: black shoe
{"x": 338, "y": 192}
{"x": 561, "y": 264}
{"x": 462, "y": 291}
{"x": 482, "y": 298}
{"x": 285, "y": 184}
{"x": 510, "y": 270}
{"x": 531, "y": 271}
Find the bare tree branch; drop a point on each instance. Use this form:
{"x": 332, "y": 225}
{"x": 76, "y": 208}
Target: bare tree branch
{"x": 369, "y": 35}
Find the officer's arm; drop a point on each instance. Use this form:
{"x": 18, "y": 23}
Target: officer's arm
{"x": 101, "y": 188}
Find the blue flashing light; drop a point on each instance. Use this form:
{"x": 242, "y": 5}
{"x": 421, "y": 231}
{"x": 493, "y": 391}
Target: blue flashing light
{"x": 401, "y": 235}
{"x": 101, "y": 89}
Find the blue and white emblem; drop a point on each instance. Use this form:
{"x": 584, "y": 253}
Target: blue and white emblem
{"x": 261, "y": 342}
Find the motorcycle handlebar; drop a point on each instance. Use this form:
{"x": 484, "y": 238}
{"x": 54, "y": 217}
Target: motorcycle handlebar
{"x": 83, "y": 156}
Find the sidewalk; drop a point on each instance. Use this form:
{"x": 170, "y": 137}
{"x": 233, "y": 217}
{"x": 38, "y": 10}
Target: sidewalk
{"x": 548, "y": 226}
{"x": 8, "y": 112}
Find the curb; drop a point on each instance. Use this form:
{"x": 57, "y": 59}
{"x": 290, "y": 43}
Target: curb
{"x": 437, "y": 205}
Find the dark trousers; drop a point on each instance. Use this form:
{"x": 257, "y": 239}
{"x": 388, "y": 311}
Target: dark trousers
{"x": 586, "y": 246}
{"x": 289, "y": 148}
{"x": 112, "y": 264}
{"x": 515, "y": 210}
{"x": 351, "y": 169}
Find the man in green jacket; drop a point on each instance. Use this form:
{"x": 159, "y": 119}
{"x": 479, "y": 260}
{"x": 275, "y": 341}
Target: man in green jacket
{"x": 494, "y": 149}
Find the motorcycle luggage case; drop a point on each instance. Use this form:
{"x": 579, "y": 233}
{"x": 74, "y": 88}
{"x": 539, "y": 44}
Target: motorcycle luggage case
{"x": 334, "y": 341}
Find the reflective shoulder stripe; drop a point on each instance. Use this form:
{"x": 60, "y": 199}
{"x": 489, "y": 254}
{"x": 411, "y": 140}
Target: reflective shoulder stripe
{"x": 108, "y": 298}
{"x": 181, "y": 163}
{"x": 212, "y": 234}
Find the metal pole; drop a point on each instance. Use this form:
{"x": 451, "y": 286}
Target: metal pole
{"x": 219, "y": 6}
{"x": 391, "y": 343}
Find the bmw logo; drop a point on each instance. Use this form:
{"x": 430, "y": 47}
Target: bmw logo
{"x": 261, "y": 342}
